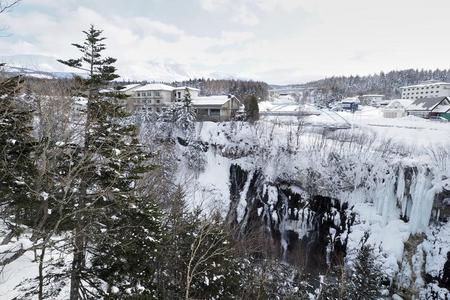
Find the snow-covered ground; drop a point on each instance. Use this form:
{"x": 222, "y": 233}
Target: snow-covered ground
{"x": 284, "y": 147}
{"x": 410, "y": 130}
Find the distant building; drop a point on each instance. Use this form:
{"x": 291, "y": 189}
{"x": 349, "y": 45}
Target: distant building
{"x": 216, "y": 108}
{"x": 350, "y": 103}
{"x": 396, "y": 108}
{"x": 371, "y": 99}
{"x": 427, "y": 89}
{"x": 430, "y": 107}
{"x": 155, "y": 97}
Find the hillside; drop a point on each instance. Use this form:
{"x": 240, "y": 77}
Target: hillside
{"x": 388, "y": 84}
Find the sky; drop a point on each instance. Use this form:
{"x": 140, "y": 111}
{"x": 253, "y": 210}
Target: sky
{"x": 277, "y": 41}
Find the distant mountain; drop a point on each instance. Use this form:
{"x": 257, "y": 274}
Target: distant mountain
{"x": 42, "y": 66}
{"x": 38, "y": 66}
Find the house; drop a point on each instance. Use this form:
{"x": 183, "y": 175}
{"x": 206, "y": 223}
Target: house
{"x": 396, "y": 108}
{"x": 426, "y": 89}
{"x": 371, "y": 99}
{"x": 216, "y": 108}
{"x": 429, "y": 107}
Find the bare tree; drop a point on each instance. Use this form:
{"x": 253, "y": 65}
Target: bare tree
{"x": 7, "y": 5}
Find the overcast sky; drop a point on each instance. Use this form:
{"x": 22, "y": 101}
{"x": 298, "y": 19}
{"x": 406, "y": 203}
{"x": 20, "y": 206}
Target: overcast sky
{"x": 278, "y": 41}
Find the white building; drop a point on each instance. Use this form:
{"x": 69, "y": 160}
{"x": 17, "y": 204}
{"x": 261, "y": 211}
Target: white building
{"x": 156, "y": 97}
{"x": 150, "y": 97}
{"x": 396, "y": 108}
{"x": 427, "y": 89}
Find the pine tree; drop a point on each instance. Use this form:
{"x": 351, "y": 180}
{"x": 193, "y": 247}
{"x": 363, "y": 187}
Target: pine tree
{"x": 252, "y": 108}
{"x": 366, "y": 277}
{"x": 112, "y": 221}
{"x": 17, "y": 146}
{"x": 186, "y": 115}
{"x": 361, "y": 281}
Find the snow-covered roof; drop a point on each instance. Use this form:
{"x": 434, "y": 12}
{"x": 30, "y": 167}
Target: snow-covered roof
{"x": 128, "y": 87}
{"x": 442, "y": 108}
{"x": 351, "y": 100}
{"x": 426, "y": 84}
{"x": 403, "y": 102}
{"x": 186, "y": 87}
{"x": 372, "y": 95}
{"x": 155, "y": 87}
{"x": 427, "y": 104}
{"x": 210, "y": 100}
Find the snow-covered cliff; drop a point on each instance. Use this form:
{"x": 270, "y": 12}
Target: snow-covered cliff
{"x": 315, "y": 194}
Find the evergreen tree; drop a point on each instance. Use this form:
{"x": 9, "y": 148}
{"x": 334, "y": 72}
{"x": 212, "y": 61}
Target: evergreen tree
{"x": 361, "y": 281}
{"x": 252, "y": 108}
{"x": 112, "y": 221}
{"x": 186, "y": 115}
{"x": 17, "y": 146}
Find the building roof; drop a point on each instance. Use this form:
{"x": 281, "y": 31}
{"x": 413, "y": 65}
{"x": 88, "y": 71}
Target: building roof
{"x": 403, "y": 102}
{"x": 350, "y": 100}
{"x": 372, "y": 95}
{"x": 155, "y": 87}
{"x": 128, "y": 87}
{"x": 186, "y": 87}
{"x": 427, "y": 104}
{"x": 213, "y": 100}
{"x": 425, "y": 84}
{"x": 442, "y": 108}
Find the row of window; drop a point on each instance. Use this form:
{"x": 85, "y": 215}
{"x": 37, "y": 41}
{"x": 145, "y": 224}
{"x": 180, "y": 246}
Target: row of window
{"x": 423, "y": 88}
{"x": 426, "y": 92}
{"x": 148, "y": 94}
{"x": 151, "y": 109}
{"x": 412, "y": 97}
{"x": 148, "y": 101}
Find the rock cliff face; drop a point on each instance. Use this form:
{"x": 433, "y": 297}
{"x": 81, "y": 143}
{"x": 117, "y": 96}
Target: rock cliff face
{"x": 308, "y": 230}
{"x": 312, "y": 231}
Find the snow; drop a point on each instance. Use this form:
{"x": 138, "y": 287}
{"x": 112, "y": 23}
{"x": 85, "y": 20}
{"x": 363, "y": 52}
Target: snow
{"x": 427, "y": 104}
{"x": 408, "y": 130}
{"x": 154, "y": 87}
{"x": 210, "y": 100}
{"x": 129, "y": 87}
{"x": 185, "y": 87}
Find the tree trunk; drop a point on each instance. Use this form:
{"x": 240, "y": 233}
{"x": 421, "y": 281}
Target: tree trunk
{"x": 77, "y": 264}
{"x": 41, "y": 275}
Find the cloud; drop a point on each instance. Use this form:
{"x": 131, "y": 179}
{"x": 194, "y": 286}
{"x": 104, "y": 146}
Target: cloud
{"x": 249, "y": 12}
{"x": 277, "y": 41}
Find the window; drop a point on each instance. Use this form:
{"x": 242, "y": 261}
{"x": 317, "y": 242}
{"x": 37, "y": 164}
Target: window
{"x": 179, "y": 95}
{"x": 157, "y": 101}
{"x": 157, "y": 94}
{"x": 214, "y": 112}
{"x": 158, "y": 109}
{"x": 138, "y": 94}
{"x": 149, "y": 94}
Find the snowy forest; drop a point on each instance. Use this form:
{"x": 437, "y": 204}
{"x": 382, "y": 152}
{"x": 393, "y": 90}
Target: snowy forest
{"x": 97, "y": 202}
{"x": 388, "y": 84}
